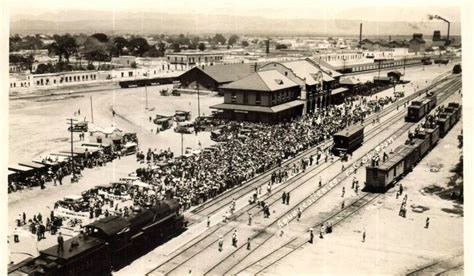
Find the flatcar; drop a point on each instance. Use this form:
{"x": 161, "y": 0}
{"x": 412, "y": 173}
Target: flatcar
{"x": 108, "y": 244}
{"x": 380, "y": 177}
{"x": 418, "y": 109}
{"x": 348, "y": 140}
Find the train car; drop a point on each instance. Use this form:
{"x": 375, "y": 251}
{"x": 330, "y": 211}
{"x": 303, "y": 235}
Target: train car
{"x": 418, "y": 109}
{"x": 379, "y": 178}
{"x": 443, "y": 124}
{"x": 452, "y": 115}
{"x": 457, "y": 108}
{"x": 82, "y": 255}
{"x": 348, "y": 140}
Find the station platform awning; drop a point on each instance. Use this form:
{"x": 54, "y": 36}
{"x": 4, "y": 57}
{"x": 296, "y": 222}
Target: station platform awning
{"x": 339, "y": 90}
{"x": 256, "y": 108}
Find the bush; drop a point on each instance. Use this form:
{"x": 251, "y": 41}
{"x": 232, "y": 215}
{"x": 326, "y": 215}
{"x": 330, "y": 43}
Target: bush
{"x": 457, "y": 69}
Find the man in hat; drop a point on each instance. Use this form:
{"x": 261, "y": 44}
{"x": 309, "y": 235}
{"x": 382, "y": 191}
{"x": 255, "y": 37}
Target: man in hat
{"x": 427, "y": 224}
{"x": 234, "y": 238}
{"x": 288, "y": 198}
{"x": 299, "y": 214}
{"x": 208, "y": 221}
{"x": 248, "y": 243}
{"x": 283, "y": 197}
{"x": 311, "y": 235}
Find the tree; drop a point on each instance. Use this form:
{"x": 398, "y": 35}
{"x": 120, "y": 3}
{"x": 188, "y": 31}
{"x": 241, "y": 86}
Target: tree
{"x": 232, "y": 39}
{"x": 176, "y": 48}
{"x": 139, "y": 46}
{"x": 219, "y": 39}
{"x": 94, "y": 50}
{"x": 202, "y": 46}
{"x": 133, "y": 65}
{"x": 63, "y": 46}
{"x": 118, "y": 44}
{"x": 245, "y": 43}
{"x": 101, "y": 37}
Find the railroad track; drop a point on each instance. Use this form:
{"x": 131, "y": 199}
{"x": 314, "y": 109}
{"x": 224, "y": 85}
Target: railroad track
{"x": 208, "y": 240}
{"x": 262, "y": 263}
{"x": 213, "y": 206}
{"x": 295, "y": 243}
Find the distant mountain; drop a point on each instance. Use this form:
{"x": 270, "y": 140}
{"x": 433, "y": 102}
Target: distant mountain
{"x": 155, "y": 23}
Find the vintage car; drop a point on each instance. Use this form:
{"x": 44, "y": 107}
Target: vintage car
{"x": 79, "y": 127}
{"x": 184, "y": 127}
{"x": 181, "y": 116}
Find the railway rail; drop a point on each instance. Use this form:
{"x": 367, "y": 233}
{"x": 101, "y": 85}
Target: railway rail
{"x": 291, "y": 246}
{"x": 176, "y": 261}
{"x": 213, "y": 206}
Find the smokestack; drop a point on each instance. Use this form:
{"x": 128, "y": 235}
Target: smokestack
{"x": 447, "y": 39}
{"x": 360, "y": 36}
{"x": 267, "y": 46}
{"x": 431, "y": 17}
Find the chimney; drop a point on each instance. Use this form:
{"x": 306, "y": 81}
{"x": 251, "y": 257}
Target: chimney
{"x": 436, "y": 35}
{"x": 447, "y": 39}
{"x": 360, "y": 35}
{"x": 267, "y": 46}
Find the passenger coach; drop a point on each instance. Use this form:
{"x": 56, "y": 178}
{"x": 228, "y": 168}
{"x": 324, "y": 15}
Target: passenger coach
{"x": 348, "y": 140}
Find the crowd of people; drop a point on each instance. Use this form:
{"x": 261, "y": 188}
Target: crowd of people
{"x": 247, "y": 150}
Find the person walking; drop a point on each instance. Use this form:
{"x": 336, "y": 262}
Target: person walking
{"x": 311, "y": 235}
{"x": 320, "y": 181}
{"x": 343, "y": 191}
{"x": 234, "y": 238}
{"x": 208, "y": 221}
{"x": 248, "y": 243}
{"x": 250, "y": 219}
{"x": 299, "y": 214}
{"x": 363, "y": 236}
{"x": 427, "y": 223}
{"x": 288, "y": 198}
{"x": 283, "y": 197}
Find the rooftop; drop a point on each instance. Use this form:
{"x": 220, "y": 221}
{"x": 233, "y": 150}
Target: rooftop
{"x": 270, "y": 80}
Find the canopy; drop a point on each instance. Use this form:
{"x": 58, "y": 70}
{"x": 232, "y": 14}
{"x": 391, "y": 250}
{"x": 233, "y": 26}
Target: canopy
{"x": 32, "y": 165}
{"x": 130, "y": 145}
{"x": 11, "y": 172}
{"x": 20, "y": 168}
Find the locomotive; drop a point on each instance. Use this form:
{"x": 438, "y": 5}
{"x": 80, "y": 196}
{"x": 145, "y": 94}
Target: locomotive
{"x": 108, "y": 244}
{"x": 380, "y": 177}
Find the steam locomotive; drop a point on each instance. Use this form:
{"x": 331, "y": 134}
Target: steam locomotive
{"x": 108, "y": 244}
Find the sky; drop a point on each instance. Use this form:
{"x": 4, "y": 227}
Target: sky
{"x": 370, "y": 10}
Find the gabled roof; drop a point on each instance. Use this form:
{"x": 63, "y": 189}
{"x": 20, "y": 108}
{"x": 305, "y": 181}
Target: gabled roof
{"x": 223, "y": 73}
{"x": 271, "y": 80}
{"x": 304, "y": 70}
{"x": 417, "y": 39}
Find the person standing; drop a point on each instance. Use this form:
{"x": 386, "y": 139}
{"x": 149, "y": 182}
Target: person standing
{"x": 60, "y": 243}
{"x": 427, "y": 223}
{"x": 208, "y": 221}
{"x": 311, "y": 235}
{"x": 288, "y": 198}
{"x": 343, "y": 191}
{"x": 234, "y": 238}
{"x": 299, "y": 214}
{"x": 250, "y": 219}
{"x": 220, "y": 243}
{"x": 363, "y": 236}
{"x": 248, "y": 243}
{"x": 283, "y": 197}
{"x": 320, "y": 181}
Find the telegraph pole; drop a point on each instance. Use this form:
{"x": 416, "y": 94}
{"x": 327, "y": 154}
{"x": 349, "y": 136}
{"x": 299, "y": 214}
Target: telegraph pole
{"x": 182, "y": 140}
{"x": 199, "y": 104}
{"x": 146, "y": 97}
{"x": 92, "y": 111}
{"x": 71, "y": 120}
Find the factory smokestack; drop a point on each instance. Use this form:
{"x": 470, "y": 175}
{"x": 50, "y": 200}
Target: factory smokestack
{"x": 267, "y": 46}
{"x": 360, "y": 36}
{"x": 431, "y": 17}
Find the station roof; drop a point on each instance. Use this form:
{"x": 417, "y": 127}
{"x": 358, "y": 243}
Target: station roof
{"x": 270, "y": 80}
{"x": 339, "y": 90}
{"x": 223, "y": 73}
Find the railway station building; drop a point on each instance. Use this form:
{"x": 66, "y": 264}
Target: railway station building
{"x": 264, "y": 96}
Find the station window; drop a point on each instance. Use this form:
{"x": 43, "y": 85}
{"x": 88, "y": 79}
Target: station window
{"x": 233, "y": 98}
{"x": 258, "y": 99}
{"x": 246, "y": 98}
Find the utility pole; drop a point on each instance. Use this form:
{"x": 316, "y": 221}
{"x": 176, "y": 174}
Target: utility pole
{"x": 71, "y": 120}
{"x": 379, "y": 67}
{"x": 424, "y": 61}
{"x": 199, "y": 104}
{"x": 182, "y": 140}
{"x": 92, "y": 111}
{"x": 146, "y": 97}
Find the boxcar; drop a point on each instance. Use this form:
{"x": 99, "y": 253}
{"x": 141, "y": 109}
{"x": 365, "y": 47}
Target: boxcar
{"x": 443, "y": 124}
{"x": 348, "y": 140}
{"x": 457, "y": 108}
{"x": 452, "y": 115}
{"x": 379, "y": 178}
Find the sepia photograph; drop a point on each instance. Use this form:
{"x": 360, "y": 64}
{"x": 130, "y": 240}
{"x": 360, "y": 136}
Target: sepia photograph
{"x": 236, "y": 137}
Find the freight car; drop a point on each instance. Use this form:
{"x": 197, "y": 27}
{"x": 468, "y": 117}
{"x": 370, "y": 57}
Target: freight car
{"x": 380, "y": 177}
{"x": 108, "y": 244}
{"x": 419, "y": 109}
{"x": 348, "y": 140}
